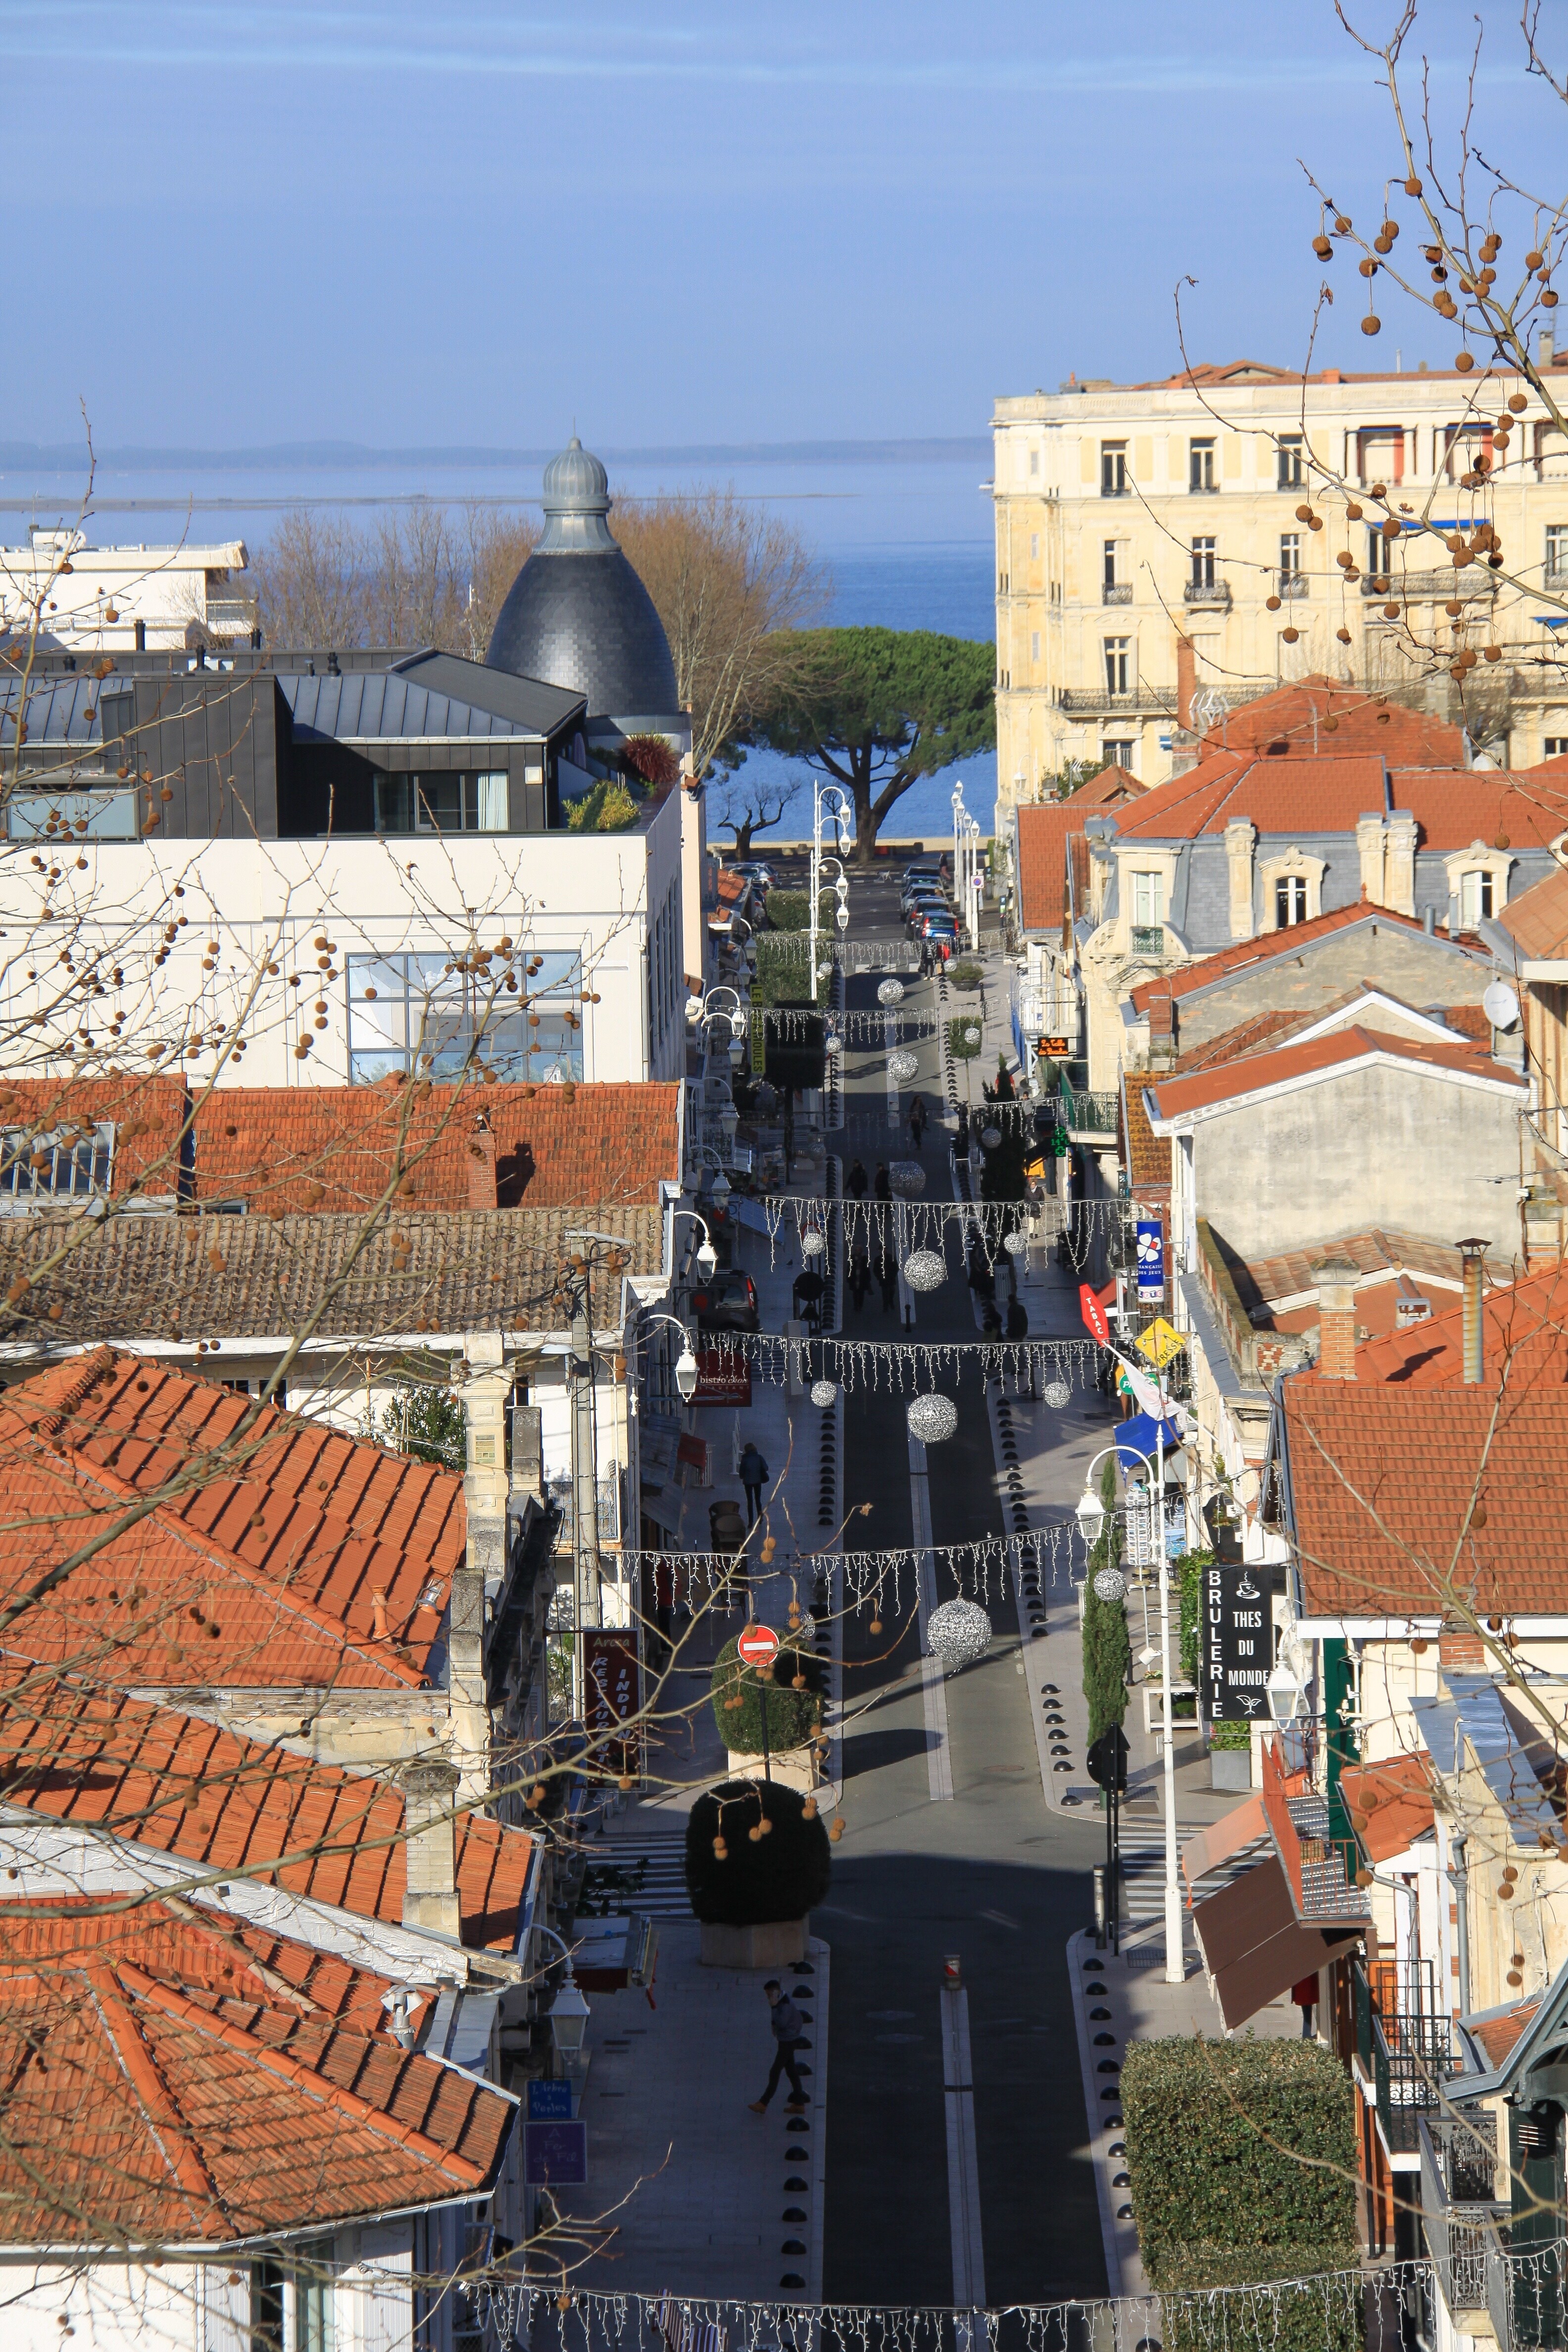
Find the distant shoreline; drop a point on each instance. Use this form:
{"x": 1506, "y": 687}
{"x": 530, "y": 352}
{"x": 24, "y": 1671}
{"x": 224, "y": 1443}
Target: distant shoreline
{"x": 58, "y": 457}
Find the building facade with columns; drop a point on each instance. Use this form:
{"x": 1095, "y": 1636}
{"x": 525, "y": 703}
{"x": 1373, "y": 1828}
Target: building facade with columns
{"x": 1143, "y": 532}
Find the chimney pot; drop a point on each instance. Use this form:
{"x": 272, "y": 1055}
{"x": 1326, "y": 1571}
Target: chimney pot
{"x": 1474, "y": 1254}
{"x": 1336, "y": 1279}
{"x": 378, "y": 1613}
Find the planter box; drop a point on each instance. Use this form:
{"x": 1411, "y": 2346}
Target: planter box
{"x": 1230, "y": 1768}
{"x": 772, "y": 1945}
{"x": 792, "y": 1768}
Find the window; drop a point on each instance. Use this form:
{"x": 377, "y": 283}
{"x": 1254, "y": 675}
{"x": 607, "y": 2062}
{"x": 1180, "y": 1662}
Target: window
{"x": 1202, "y": 563}
{"x": 1290, "y": 555}
{"x": 1556, "y": 551}
{"x": 1289, "y": 449}
{"x": 1113, "y": 469}
{"x": 1034, "y": 644}
{"x": 1033, "y": 547}
{"x": 267, "y": 2306}
{"x": 1200, "y": 465}
{"x": 408, "y": 1012}
{"x": 1290, "y": 901}
{"x": 1463, "y": 446}
{"x": 70, "y": 1163}
{"x": 1033, "y": 461}
{"x": 1117, "y": 663}
{"x": 1107, "y": 571}
{"x": 1379, "y": 453}
{"x": 315, "y": 2317}
{"x": 451, "y": 803}
{"x": 1118, "y": 751}
{"x": 1554, "y": 747}
{"x": 1475, "y": 899}
{"x": 60, "y": 815}
{"x": 1148, "y": 900}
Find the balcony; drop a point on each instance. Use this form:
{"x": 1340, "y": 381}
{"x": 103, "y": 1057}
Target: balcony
{"x": 1089, "y": 1116}
{"x": 1147, "y": 939}
{"x": 1096, "y": 698}
{"x": 1116, "y": 591}
{"x": 1419, "y": 587}
{"x": 1290, "y": 587}
{"x": 1406, "y": 2048}
{"x": 1321, "y": 1869}
{"x": 1207, "y": 592}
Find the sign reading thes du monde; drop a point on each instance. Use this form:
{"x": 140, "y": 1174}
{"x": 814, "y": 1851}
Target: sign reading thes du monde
{"x": 1238, "y": 1644}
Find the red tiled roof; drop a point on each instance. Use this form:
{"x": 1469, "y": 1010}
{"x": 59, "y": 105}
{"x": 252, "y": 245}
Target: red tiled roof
{"x": 262, "y": 1569}
{"x": 145, "y": 1111}
{"x": 1241, "y": 953}
{"x": 1176, "y": 1095}
{"x": 1323, "y": 717}
{"x": 1498, "y": 2036}
{"x": 141, "y": 2108}
{"x": 1305, "y": 794}
{"x": 180, "y": 1786}
{"x": 1454, "y": 807}
{"x": 1524, "y": 1331}
{"x": 1147, "y": 1155}
{"x": 1538, "y": 917}
{"x": 287, "y": 1149}
{"x": 1390, "y": 1804}
{"x": 1044, "y": 827}
{"x": 1383, "y": 1479}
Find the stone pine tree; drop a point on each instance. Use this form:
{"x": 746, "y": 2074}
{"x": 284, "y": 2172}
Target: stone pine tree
{"x": 1107, "y": 1649}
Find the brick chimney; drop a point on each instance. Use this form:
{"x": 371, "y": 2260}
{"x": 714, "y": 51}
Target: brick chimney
{"x": 1336, "y": 1279}
{"x": 1187, "y": 679}
{"x": 1161, "y": 1028}
{"x": 430, "y": 1848}
{"x": 1474, "y": 1323}
{"x": 480, "y": 1164}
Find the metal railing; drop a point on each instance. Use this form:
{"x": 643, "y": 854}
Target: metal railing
{"x": 1148, "y": 938}
{"x": 1091, "y": 1114}
{"x": 1422, "y": 584}
{"x": 1206, "y": 592}
{"x": 1099, "y": 698}
{"x": 1405, "y": 2043}
{"x": 1289, "y": 584}
{"x": 1321, "y": 1869}
{"x": 1116, "y": 591}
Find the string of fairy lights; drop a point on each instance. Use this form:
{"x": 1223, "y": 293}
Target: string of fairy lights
{"x": 984, "y": 1569}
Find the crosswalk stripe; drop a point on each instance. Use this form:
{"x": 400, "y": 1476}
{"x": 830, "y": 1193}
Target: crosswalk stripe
{"x": 660, "y": 1893}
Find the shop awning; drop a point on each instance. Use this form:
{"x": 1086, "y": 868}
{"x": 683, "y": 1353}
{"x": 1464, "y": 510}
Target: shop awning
{"x": 1242, "y": 1826}
{"x": 1255, "y": 1948}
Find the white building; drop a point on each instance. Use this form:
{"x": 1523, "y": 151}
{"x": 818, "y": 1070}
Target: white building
{"x": 95, "y": 600}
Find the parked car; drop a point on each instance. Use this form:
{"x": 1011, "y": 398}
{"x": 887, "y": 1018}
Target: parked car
{"x": 936, "y": 865}
{"x": 921, "y": 887}
{"x": 753, "y": 870}
{"x": 938, "y": 926}
{"x": 919, "y": 911}
{"x": 728, "y": 1303}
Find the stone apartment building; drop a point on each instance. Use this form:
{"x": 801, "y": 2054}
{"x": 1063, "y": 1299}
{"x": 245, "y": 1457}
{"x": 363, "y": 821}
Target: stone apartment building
{"x": 1143, "y": 530}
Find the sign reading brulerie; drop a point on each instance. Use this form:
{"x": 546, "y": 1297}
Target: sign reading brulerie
{"x": 723, "y": 1377}
{"x": 1238, "y": 1644}
{"x": 612, "y": 1695}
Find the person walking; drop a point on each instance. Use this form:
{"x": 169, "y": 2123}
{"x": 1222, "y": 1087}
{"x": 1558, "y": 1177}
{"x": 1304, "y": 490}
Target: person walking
{"x": 754, "y": 1475}
{"x": 887, "y": 1277}
{"x": 789, "y": 2035}
{"x": 960, "y": 1141}
{"x": 1017, "y": 1324}
{"x": 917, "y": 1123}
{"x": 856, "y": 1181}
{"x": 859, "y": 1276}
{"x": 883, "y": 1185}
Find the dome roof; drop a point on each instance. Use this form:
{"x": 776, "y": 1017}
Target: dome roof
{"x": 577, "y": 614}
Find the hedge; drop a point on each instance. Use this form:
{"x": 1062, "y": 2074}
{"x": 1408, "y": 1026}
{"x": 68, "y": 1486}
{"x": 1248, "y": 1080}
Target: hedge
{"x": 1213, "y": 2131}
{"x": 779, "y": 1875}
{"x": 793, "y": 1715}
{"x": 1308, "y": 2299}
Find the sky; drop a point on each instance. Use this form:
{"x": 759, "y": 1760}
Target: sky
{"x": 257, "y": 221}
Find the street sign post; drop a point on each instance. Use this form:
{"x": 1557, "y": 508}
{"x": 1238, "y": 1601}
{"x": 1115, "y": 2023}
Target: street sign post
{"x": 1160, "y": 1342}
{"x": 1107, "y": 1762}
{"x": 758, "y": 1645}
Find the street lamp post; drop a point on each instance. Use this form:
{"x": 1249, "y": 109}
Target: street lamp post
{"x": 835, "y": 798}
{"x": 1091, "y": 1518}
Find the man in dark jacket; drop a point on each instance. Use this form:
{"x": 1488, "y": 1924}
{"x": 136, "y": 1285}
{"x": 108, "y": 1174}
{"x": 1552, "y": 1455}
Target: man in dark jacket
{"x": 754, "y": 1475}
{"x": 856, "y": 1181}
{"x": 789, "y": 2035}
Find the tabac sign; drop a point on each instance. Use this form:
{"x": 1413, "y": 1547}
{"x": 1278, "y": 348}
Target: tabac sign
{"x": 1238, "y": 1644}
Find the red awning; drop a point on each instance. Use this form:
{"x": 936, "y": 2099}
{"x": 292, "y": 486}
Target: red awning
{"x": 1255, "y": 1948}
{"x": 1242, "y": 1826}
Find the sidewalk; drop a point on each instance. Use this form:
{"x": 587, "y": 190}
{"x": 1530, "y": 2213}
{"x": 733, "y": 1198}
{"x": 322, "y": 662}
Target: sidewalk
{"x": 1122, "y": 1997}
{"x": 703, "y": 2198}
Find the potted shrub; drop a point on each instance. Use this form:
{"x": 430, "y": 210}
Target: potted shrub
{"x": 757, "y": 1858}
{"x": 965, "y": 975}
{"x": 769, "y": 1717}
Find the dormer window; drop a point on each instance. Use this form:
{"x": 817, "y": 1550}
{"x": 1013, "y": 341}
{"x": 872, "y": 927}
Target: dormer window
{"x": 1290, "y": 901}
{"x": 63, "y": 1164}
{"x": 1475, "y": 899}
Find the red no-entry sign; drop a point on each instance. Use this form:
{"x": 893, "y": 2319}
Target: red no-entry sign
{"x": 758, "y": 1645}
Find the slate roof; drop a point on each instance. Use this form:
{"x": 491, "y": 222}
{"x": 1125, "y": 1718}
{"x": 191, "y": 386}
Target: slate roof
{"x": 1381, "y": 1479}
{"x": 215, "y": 1277}
{"x": 1318, "y": 1056}
{"x": 260, "y": 1570}
{"x": 140, "y": 2107}
{"x": 158, "y": 1778}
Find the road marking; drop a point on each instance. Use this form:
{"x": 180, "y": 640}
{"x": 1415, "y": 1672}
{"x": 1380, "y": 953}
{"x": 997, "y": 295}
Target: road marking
{"x": 934, "y": 1693}
{"x": 963, "y": 2165}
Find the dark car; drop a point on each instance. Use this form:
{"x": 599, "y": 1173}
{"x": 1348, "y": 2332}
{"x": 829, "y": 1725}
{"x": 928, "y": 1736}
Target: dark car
{"x": 728, "y": 1303}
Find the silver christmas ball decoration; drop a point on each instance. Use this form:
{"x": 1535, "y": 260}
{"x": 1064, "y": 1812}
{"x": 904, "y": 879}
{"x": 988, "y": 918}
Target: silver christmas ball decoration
{"x": 1056, "y": 1393}
{"x": 902, "y": 1068}
{"x": 932, "y": 1418}
{"x": 924, "y": 1270}
{"x": 908, "y": 1179}
{"x": 1015, "y": 1242}
{"x": 822, "y": 1393}
{"x": 990, "y": 1137}
{"x": 1111, "y": 1585}
{"x": 833, "y": 1042}
{"x": 890, "y": 991}
{"x": 811, "y": 1243}
{"x": 958, "y": 1633}
{"x": 972, "y": 1036}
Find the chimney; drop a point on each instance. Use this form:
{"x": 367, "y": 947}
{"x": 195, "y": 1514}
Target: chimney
{"x": 430, "y": 1848}
{"x": 1411, "y": 1305}
{"x": 1546, "y": 350}
{"x": 1186, "y": 678}
{"x": 1336, "y": 1279}
{"x": 1161, "y": 1028}
{"x": 378, "y": 1628}
{"x": 481, "y": 1165}
{"x": 1474, "y": 1254}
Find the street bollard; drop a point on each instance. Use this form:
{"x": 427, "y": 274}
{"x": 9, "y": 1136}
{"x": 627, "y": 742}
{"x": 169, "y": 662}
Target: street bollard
{"x": 950, "y": 1975}
{"x": 1101, "y": 1904}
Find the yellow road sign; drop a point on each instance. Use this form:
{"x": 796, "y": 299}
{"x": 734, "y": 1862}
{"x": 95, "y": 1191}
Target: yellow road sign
{"x": 1160, "y": 1342}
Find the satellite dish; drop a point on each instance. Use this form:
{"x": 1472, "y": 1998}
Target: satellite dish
{"x": 1500, "y": 1005}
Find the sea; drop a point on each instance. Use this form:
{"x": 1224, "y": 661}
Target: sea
{"x": 903, "y": 533}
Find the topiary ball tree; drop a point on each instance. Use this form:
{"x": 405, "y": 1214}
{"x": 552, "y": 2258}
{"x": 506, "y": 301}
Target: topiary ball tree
{"x": 737, "y": 1878}
{"x": 740, "y": 1691}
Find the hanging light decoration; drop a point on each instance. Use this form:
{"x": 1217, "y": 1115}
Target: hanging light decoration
{"x": 990, "y": 1137}
{"x": 824, "y": 1393}
{"x": 890, "y": 990}
{"x": 901, "y": 1067}
{"x": 932, "y": 1418}
{"x": 824, "y": 971}
{"x": 1015, "y": 1242}
{"x": 907, "y": 1179}
{"x": 972, "y": 1036}
{"x": 958, "y": 1633}
{"x": 1056, "y": 1393}
{"x": 811, "y": 1243}
{"x": 1111, "y": 1585}
{"x": 924, "y": 1270}
{"x": 833, "y": 1042}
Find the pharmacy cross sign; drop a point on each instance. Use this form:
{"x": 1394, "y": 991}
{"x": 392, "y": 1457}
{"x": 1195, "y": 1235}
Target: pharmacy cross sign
{"x": 758, "y": 1645}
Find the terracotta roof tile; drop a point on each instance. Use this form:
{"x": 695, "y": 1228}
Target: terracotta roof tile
{"x": 1390, "y": 1804}
{"x": 1525, "y": 1329}
{"x": 1454, "y": 807}
{"x": 260, "y": 1571}
{"x": 1044, "y": 828}
{"x": 1499, "y": 2034}
{"x": 1383, "y": 1479}
{"x": 182, "y": 1786}
{"x": 141, "y": 2108}
{"x": 1295, "y": 796}
{"x": 146, "y": 1112}
{"x": 1538, "y": 917}
{"x": 1146, "y": 1154}
{"x": 1173, "y": 1098}
{"x": 1322, "y": 716}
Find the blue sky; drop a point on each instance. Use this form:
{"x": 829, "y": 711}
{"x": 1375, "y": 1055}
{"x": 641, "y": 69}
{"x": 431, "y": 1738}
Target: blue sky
{"x": 695, "y": 220}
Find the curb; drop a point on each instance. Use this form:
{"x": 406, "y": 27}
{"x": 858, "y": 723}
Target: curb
{"x": 1102, "y": 2135}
